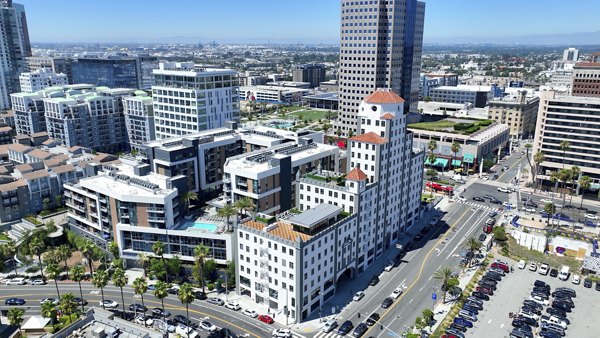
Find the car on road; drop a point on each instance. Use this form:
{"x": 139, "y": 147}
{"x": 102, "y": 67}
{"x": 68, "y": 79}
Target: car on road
{"x": 591, "y": 216}
{"x": 49, "y": 300}
{"x": 482, "y": 237}
{"x": 180, "y": 319}
{"x": 508, "y": 205}
{"x": 553, "y": 272}
{"x": 160, "y": 313}
{"x": 79, "y": 301}
{"x": 208, "y": 326}
{"x": 144, "y": 320}
{"x": 373, "y": 318}
{"x": 521, "y": 265}
{"x": 387, "y": 302}
{"x": 38, "y": 282}
{"x": 358, "y": 296}
{"x": 532, "y": 266}
{"x": 233, "y": 305}
{"x": 461, "y": 198}
{"x": 107, "y": 303}
{"x": 250, "y": 313}
{"x": 282, "y": 333}
{"x": 389, "y": 266}
{"x": 503, "y": 189}
{"x": 492, "y": 214}
{"x": 16, "y": 281}
{"x": 530, "y": 209}
{"x": 15, "y": 301}
{"x": 216, "y": 301}
{"x": 546, "y": 200}
{"x": 360, "y": 330}
{"x": 544, "y": 269}
{"x": 137, "y": 308}
{"x": 329, "y": 326}
{"x": 345, "y": 328}
{"x": 397, "y": 292}
{"x": 587, "y": 283}
{"x": 478, "y": 199}
{"x": 266, "y": 319}
{"x": 374, "y": 281}
{"x": 496, "y": 201}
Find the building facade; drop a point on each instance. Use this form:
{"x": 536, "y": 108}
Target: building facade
{"x": 476, "y": 95}
{"x": 571, "y": 54}
{"x": 586, "y": 79}
{"x": 381, "y": 45}
{"x": 343, "y": 224}
{"x": 311, "y": 72}
{"x": 111, "y": 71}
{"x": 572, "y": 119}
{"x": 139, "y": 120}
{"x": 40, "y": 79}
{"x": 28, "y": 113}
{"x": 14, "y": 48}
{"x": 518, "y": 112}
{"x": 189, "y": 99}
{"x": 273, "y": 94}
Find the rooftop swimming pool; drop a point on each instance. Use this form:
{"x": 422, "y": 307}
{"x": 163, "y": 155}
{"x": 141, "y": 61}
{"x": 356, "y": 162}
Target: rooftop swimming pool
{"x": 208, "y": 227}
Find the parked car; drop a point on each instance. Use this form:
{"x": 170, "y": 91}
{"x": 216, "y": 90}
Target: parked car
{"x": 358, "y": 296}
{"x": 568, "y": 291}
{"x": 539, "y": 300}
{"x": 532, "y": 266}
{"x": 587, "y": 283}
{"x": 553, "y": 272}
{"x": 555, "y": 311}
{"x": 266, "y": 319}
{"x": 250, "y": 313}
{"x": 544, "y": 268}
{"x": 282, "y": 333}
{"x": 389, "y": 266}
{"x": 233, "y": 305}
{"x": 200, "y": 295}
{"x": 107, "y": 303}
{"x": 482, "y": 237}
{"x": 480, "y": 295}
{"x": 216, "y": 301}
{"x": 463, "y": 322}
{"x": 576, "y": 279}
{"x": 329, "y": 326}
{"x": 144, "y": 320}
{"x": 16, "y": 281}
{"x": 374, "y": 281}
{"x": 38, "y": 282}
{"x": 521, "y": 265}
{"x": 591, "y": 216}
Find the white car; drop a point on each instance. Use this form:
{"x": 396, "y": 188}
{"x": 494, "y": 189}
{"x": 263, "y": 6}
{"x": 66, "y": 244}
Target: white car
{"x": 358, "y": 296}
{"x": 233, "y": 305}
{"x": 49, "y": 300}
{"x": 397, "y": 292}
{"x": 282, "y": 333}
{"x": 545, "y": 200}
{"x": 329, "y": 326}
{"x": 532, "y": 266}
{"x": 38, "y": 282}
{"x": 528, "y": 315}
{"x": 591, "y": 216}
{"x": 544, "y": 269}
{"x": 250, "y": 313}
{"x": 389, "y": 267}
{"x": 576, "y": 279}
{"x": 141, "y": 319}
{"x": 539, "y": 300}
{"x": 508, "y": 204}
{"x": 185, "y": 331}
{"x": 207, "y": 326}
{"x": 521, "y": 265}
{"x": 461, "y": 198}
{"x": 529, "y": 209}
{"x": 503, "y": 189}
{"x": 16, "y": 281}
{"x": 111, "y": 304}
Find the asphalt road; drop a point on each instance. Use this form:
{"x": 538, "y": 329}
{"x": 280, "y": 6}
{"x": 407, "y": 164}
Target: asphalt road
{"x": 199, "y": 310}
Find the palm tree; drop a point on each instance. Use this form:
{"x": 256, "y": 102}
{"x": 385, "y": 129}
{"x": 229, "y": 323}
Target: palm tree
{"x": 528, "y": 147}
{"x": 473, "y": 245}
{"x": 15, "y": 317}
{"x": 455, "y": 147}
{"x": 538, "y": 158}
{"x": 63, "y": 253}
{"x": 144, "y": 261}
{"x": 100, "y": 280}
{"x": 158, "y": 248}
{"x": 10, "y": 250}
{"x": 550, "y": 209}
{"x": 140, "y": 286}
{"x": 89, "y": 252}
{"x": 48, "y": 310}
{"x": 444, "y": 274}
{"x": 554, "y": 178}
{"x": 585, "y": 182}
{"x": 187, "y": 198}
{"x": 186, "y": 296}
{"x": 227, "y": 211}
{"x": 432, "y": 146}
{"x": 76, "y": 275}
{"x": 575, "y": 172}
{"x": 120, "y": 280}
{"x": 564, "y": 146}
{"x": 67, "y": 304}
{"x": 37, "y": 247}
{"x": 200, "y": 253}
{"x": 54, "y": 271}
{"x": 244, "y": 205}
{"x": 160, "y": 292}
{"x": 113, "y": 248}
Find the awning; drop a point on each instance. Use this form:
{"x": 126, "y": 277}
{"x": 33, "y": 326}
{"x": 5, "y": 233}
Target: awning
{"x": 468, "y": 158}
{"x": 439, "y": 162}
{"x": 455, "y": 163}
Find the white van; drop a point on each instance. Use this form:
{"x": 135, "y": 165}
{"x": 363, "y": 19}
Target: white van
{"x": 17, "y": 281}
{"x": 564, "y": 273}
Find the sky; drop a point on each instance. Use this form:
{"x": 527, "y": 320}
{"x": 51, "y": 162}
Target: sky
{"x": 306, "y": 21}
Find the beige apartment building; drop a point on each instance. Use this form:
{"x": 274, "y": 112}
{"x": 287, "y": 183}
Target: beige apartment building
{"x": 518, "y": 112}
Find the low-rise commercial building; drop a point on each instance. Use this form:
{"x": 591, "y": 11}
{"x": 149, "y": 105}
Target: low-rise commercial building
{"x": 477, "y": 95}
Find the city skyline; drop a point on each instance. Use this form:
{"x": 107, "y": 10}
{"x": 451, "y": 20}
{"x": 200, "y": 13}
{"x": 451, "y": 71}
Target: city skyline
{"x": 67, "y": 21}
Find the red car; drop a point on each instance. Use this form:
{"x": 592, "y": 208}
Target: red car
{"x": 485, "y": 290}
{"x": 501, "y": 266}
{"x": 266, "y": 319}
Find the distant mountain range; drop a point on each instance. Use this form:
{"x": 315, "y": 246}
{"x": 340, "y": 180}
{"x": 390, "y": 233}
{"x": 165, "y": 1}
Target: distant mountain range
{"x": 573, "y": 39}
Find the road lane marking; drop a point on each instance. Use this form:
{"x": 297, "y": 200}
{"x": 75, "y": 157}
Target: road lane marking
{"x": 476, "y": 224}
{"x": 456, "y": 234}
{"x": 411, "y": 301}
{"x": 489, "y": 321}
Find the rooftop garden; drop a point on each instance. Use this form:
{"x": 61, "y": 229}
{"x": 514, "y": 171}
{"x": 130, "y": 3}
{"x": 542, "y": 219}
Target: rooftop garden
{"x": 466, "y": 127}
{"x": 340, "y": 180}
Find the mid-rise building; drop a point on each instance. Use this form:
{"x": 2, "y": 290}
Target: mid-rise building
{"x": 518, "y": 112}
{"x": 110, "y": 71}
{"x": 189, "y": 98}
{"x": 14, "y": 47}
{"x": 28, "y": 113}
{"x": 139, "y": 120}
{"x": 40, "y": 79}
{"x": 476, "y": 95}
{"x": 572, "y": 119}
{"x": 273, "y": 94}
{"x": 381, "y": 45}
{"x": 312, "y": 73}
{"x": 571, "y": 54}
{"x": 249, "y": 78}
{"x": 432, "y": 80}
{"x": 342, "y": 224}
{"x": 147, "y": 66}
{"x": 586, "y": 79}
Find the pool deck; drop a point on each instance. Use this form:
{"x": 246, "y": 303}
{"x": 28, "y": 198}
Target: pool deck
{"x": 188, "y": 225}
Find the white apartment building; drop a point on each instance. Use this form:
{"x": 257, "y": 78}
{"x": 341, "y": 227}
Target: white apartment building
{"x": 139, "y": 120}
{"x": 343, "y": 224}
{"x": 40, "y": 79}
{"x": 189, "y": 98}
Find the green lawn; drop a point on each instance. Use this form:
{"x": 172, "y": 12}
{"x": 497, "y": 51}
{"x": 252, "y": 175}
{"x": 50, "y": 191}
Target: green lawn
{"x": 311, "y": 115}
{"x": 439, "y": 125}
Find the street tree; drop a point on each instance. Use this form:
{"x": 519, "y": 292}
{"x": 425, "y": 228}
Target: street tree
{"x": 160, "y": 292}
{"x": 53, "y": 271}
{"x": 443, "y": 274}
{"x": 15, "y": 317}
{"x": 120, "y": 280}
{"x": 140, "y": 286}
{"x": 100, "y": 280}
{"x": 37, "y": 247}
{"x": 76, "y": 274}
{"x": 186, "y": 296}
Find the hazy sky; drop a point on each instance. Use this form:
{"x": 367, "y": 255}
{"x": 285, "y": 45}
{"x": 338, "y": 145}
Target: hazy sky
{"x": 288, "y": 20}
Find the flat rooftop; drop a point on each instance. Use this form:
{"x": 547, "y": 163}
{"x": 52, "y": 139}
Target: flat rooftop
{"x": 280, "y": 229}
{"x": 315, "y": 215}
{"x": 332, "y": 96}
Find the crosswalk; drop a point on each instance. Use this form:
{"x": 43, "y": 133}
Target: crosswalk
{"x": 322, "y": 334}
{"x": 498, "y": 208}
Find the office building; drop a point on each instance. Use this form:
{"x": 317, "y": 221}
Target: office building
{"x": 189, "y": 98}
{"x": 586, "y": 79}
{"x": 312, "y": 73}
{"x": 272, "y": 94}
{"x": 14, "y": 48}
{"x": 110, "y": 71}
{"x": 381, "y": 45}
{"x": 518, "y": 112}
{"x": 571, "y": 54}
{"x": 572, "y": 119}
{"x": 139, "y": 120}
{"x": 147, "y": 65}
{"x": 341, "y": 224}
{"x": 59, "y": 65}
{"x": 476, "y": 95}
{"x": 432, "y": 80}
{"x": 40, "y": 79}
{"x": 249, "y": 78}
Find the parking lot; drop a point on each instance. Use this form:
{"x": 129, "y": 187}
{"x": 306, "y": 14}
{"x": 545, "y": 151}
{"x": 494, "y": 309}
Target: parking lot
{"x": 515, "y": 287}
